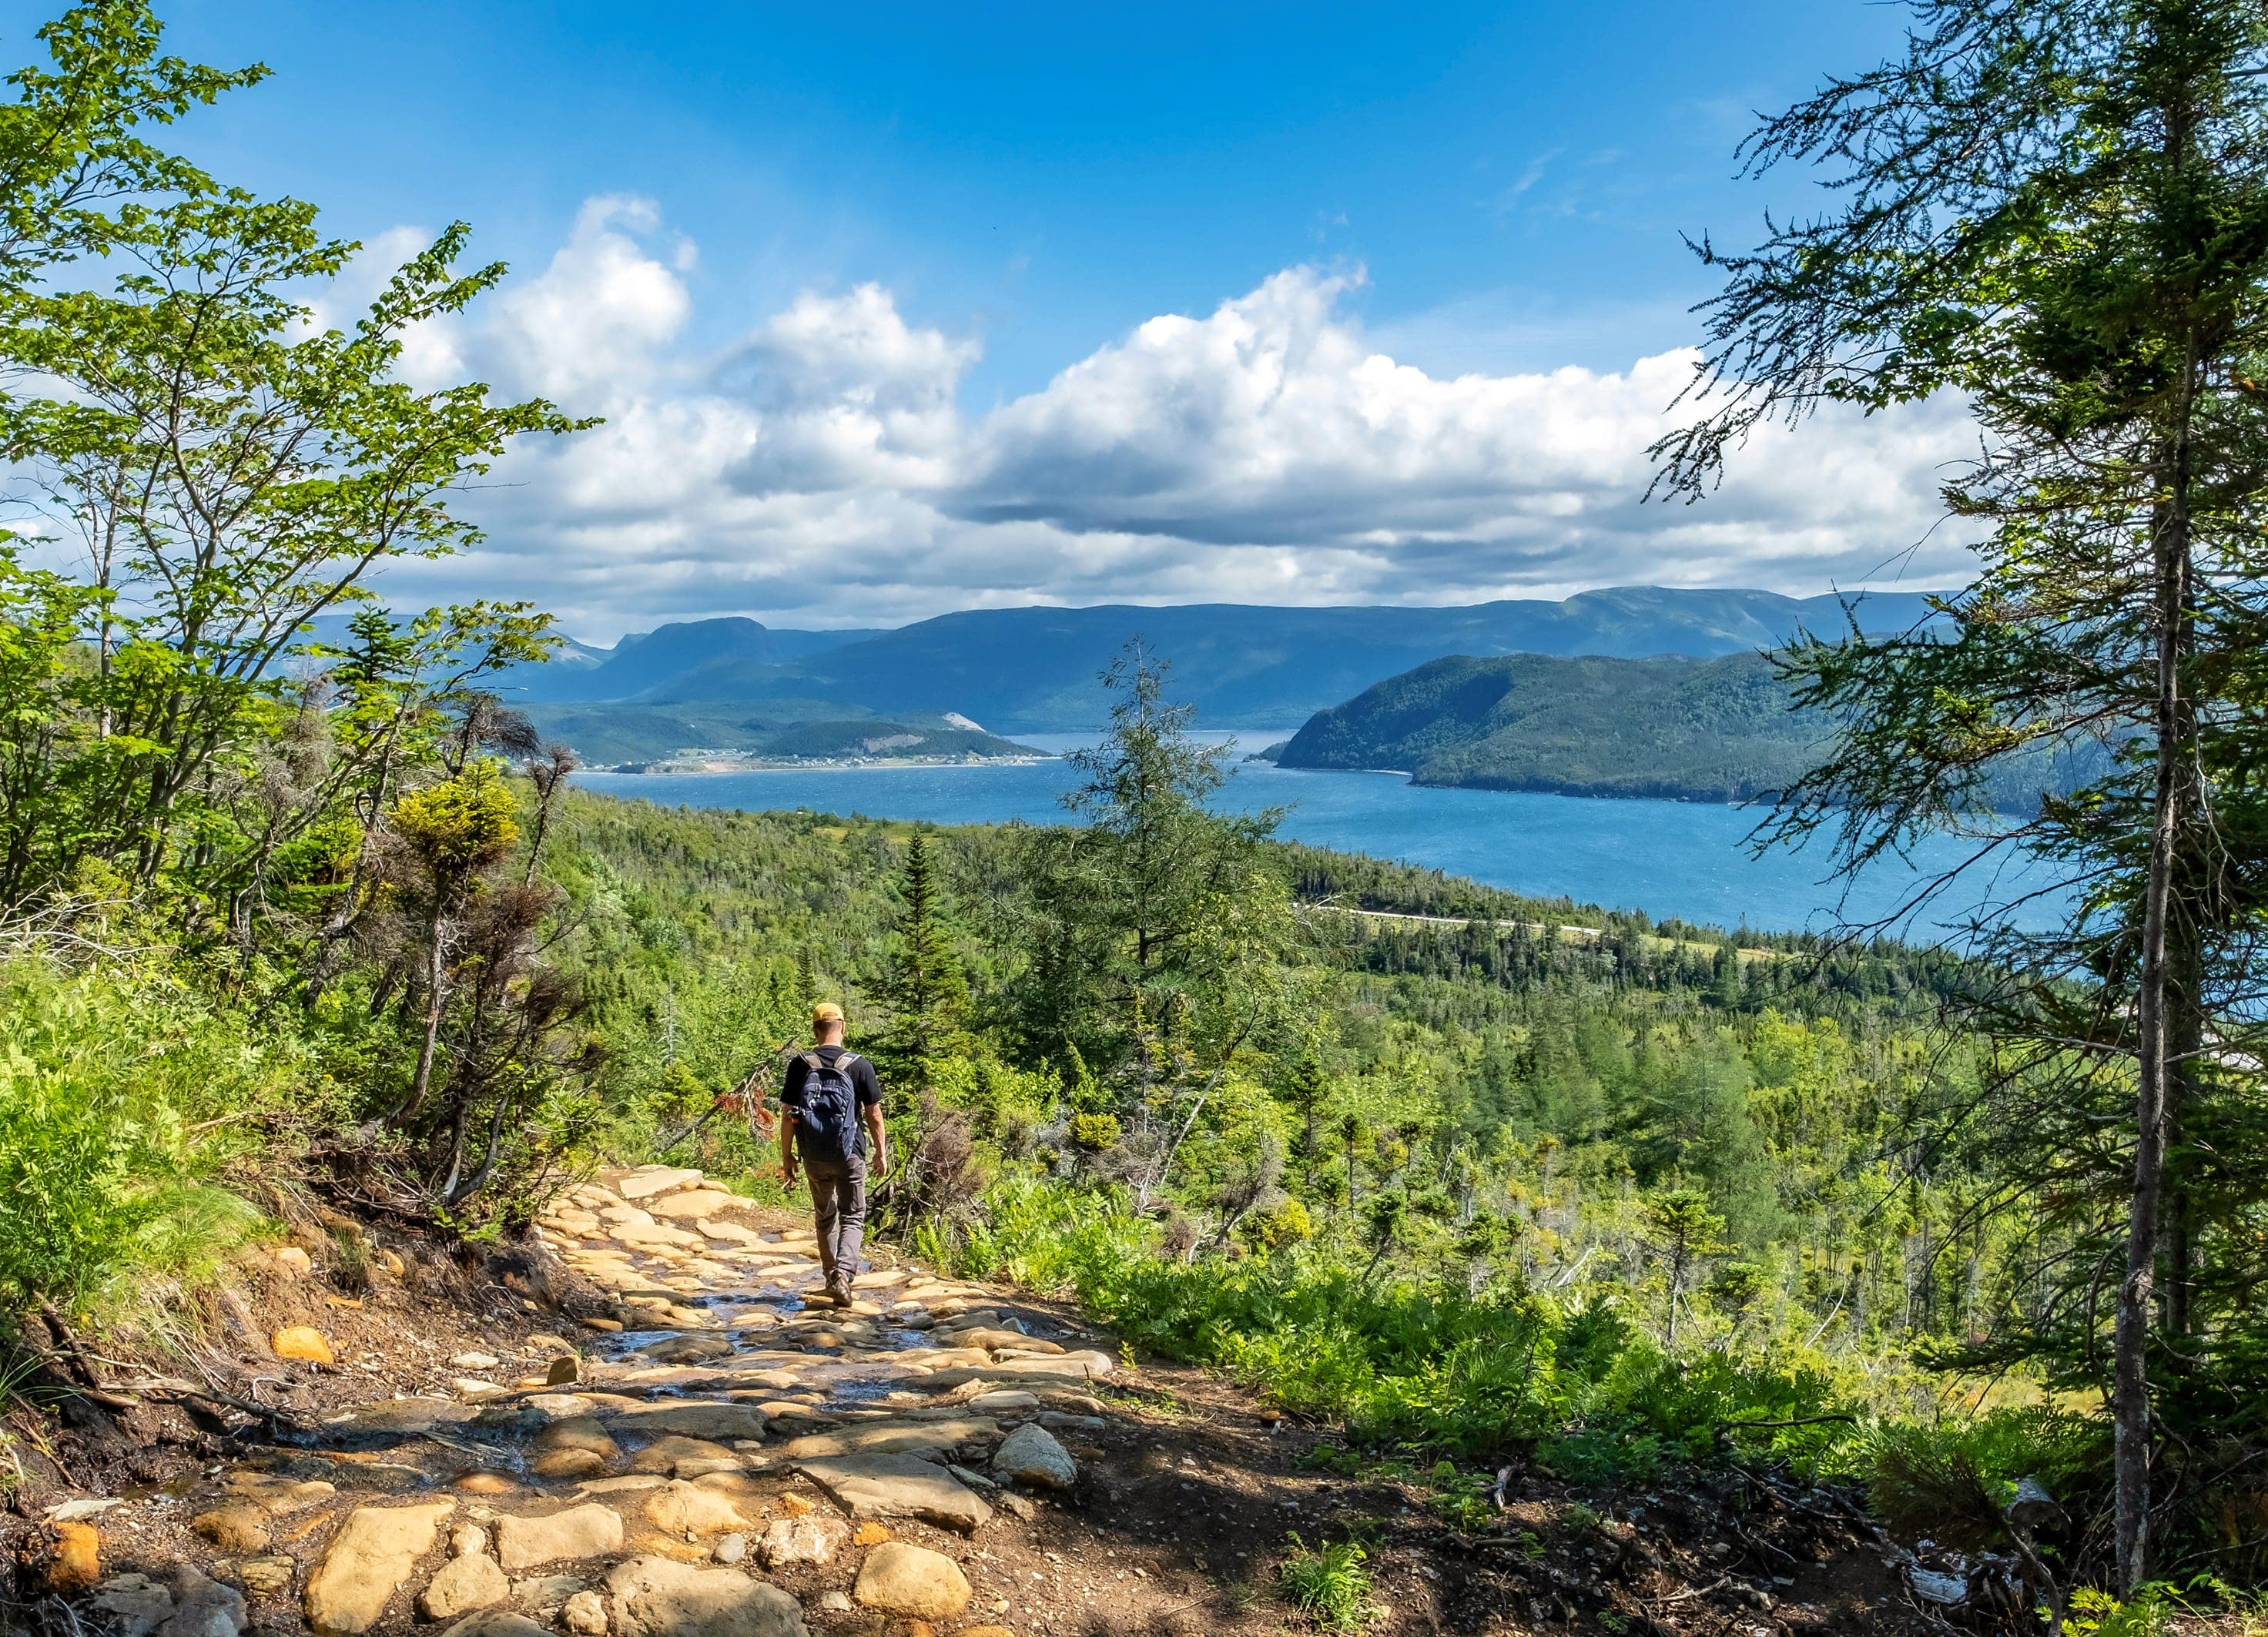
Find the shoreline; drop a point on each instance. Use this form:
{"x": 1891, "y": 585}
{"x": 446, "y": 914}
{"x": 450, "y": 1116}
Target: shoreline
{"x": 694, "y": 766}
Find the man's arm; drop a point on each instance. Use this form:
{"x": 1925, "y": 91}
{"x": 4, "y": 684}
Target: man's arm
{"x": 880, "y": 1144}
{"x": 791, "y": 1083}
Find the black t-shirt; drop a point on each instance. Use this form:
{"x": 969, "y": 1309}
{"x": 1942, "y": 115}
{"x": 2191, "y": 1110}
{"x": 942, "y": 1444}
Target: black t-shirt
{"x": 863, "y": 1079}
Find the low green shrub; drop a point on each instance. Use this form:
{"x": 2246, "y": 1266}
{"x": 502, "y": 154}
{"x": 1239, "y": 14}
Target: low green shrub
{"x": 107, "y": 1157}
{"x": 1329, "y": 1585}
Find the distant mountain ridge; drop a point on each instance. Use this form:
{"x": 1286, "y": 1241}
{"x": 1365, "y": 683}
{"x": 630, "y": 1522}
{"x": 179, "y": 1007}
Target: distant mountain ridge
{"x": 1035, "y": 670}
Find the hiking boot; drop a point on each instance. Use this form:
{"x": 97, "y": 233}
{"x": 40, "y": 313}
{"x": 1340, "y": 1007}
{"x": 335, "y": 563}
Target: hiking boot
{"x": 838, "y": 1289}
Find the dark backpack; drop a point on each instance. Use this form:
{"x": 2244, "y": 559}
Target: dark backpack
{"x": 827, "y": 1125}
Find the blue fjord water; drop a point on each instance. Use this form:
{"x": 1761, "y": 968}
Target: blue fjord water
{"x": 1684, "y": 859}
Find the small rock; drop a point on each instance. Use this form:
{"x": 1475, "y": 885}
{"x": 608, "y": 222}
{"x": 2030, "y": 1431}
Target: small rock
{"x": 469, "y": 1540}
{"x": 612, "y": 1326}
{"x": 582, "y": 1531}
{"x": 795, "y": 1505}
{"x": 266, "y": 1577}
{"x": 135, "y": 1605}
{"x": 681, "y": 1457}
{"x": 495, "y": 1623}
{"x": 584, "y": 1614}
{"x": 392, "y": 1263}
{"x": 372, "y": 1553}
{"x": 870, "y": 1535}
{"x": 565, "y": 1370}
{"x": 790, "y": 1541}
{"x": 835, "y": 1602}
{"x": 545, "y": 1593}
{"x": 912, "y": 1581}
{"x": 730, "y": 1548}
{"x": 202, "y": 1607}
{"x": 301, "y": 1341}
{"x": 569, "y": 1463}
{"x": 475, "y": 1360}
{"x": 293, "y": 1260}
{"x": 683, "y": 1509}
{"x": 655, "y": 1597}
{"x": 64, "y": 1558}
{"x": 1031, "y": 1455}
{"x": 465, "y": 1583}
{"x": 1019, "y": 1505}
{"x": 237, "y": 1528}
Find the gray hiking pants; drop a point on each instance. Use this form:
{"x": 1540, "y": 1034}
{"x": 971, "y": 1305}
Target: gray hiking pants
{"x": 838, "y": 1209}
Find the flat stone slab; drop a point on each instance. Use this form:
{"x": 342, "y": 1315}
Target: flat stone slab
{"x": 370, "y": 1557}
{"x": 656, "y": 1598}
{"x": 898, "y": 1485}
{"x": 691, "y": 1419}
{"x": 895, "y": 1437}
{"x": 647, "y": 1181}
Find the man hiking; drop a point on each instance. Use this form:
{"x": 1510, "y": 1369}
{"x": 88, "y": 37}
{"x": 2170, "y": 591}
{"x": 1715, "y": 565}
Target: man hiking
{"x": 830, "y": 1104}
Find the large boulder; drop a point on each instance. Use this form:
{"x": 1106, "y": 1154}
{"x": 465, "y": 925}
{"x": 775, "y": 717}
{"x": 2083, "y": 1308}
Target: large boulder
{"x": 1031, "y": 1455}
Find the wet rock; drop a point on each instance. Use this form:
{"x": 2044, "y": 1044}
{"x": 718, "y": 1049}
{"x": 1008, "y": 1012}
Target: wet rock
{"x": 999, "y": 1398}
{"x": 371, "y": 1554}
{"x": 410, "y": 1415}
{"x": 580, "y": 1432}
{"x": 584, "y": 1614}
{"x": 718, "y": 1422}
{"x": 472, "y": 1581}
{"x": 681, "y": 1457}
{"x": 202, "y": 1607}
{"x": 913, "y": 1582}
{"x": 134, "y": 1605}
{"x": 589, "y": 1531}
{"x": 790, "y": 1541}
{"x": 899, "y": 1486}
{"x": 683, "y": 1509}
{"x": 655, "y": 1597}
{"x": 301, "y": 1341}
{"x": 1031, "y": 1455}
{"x": 237, "y": 1528}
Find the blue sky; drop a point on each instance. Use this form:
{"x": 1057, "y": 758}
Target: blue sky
{"x": 965, "y": 203}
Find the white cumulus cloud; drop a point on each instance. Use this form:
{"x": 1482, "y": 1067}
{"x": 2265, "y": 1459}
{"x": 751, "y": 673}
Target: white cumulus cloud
{"x": 821, "y": 469}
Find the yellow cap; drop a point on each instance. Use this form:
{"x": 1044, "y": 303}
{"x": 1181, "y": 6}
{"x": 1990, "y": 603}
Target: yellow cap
{"x": 826, "y": 1011}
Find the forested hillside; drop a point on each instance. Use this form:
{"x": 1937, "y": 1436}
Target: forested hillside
{"x": 1684, "y": 730}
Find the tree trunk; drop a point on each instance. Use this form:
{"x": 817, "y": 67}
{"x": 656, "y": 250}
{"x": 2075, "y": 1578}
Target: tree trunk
{"x": 2130, "y": 1391}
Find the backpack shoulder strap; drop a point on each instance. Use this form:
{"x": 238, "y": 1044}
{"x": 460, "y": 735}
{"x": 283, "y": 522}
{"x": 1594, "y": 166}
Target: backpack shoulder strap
{"x": 844, "y": 1061}
{"x": 811, "y": 1061}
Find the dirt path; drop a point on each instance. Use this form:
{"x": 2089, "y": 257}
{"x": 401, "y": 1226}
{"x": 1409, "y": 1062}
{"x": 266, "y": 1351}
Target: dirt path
{"x": 718, "y": 1454}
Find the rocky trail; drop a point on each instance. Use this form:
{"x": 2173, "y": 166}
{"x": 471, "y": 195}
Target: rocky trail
{"x": 716, "y": 1452}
